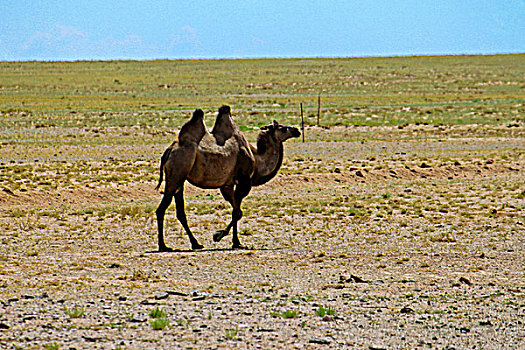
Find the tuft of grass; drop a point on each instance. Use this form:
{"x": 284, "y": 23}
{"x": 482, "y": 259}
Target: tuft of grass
{"x": 322, "y": 311}
{"x": 443, "y": 236}
{"x": 131, "y": 211}
{"x": 290, "y": 314}
{"x": 75, "y": 312}
{"x": 286, "y": 314}
{"x": 17, "y": 213}
{"x": 232, "y": 333}
{"x": 159, "y": 323}
{"x": 157, "y": 313}
{"x": 139, "y": 275}
{"x": 53, "y": 346}
{"x": 184, "y": 322}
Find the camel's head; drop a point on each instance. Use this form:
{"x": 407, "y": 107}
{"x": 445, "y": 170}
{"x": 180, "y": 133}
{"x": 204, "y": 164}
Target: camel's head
{"x": 280, "y": 132}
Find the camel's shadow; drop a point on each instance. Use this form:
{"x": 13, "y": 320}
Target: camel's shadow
{"x": 208, "y": 250}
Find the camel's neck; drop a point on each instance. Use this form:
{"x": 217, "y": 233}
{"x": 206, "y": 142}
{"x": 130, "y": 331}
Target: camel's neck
{"x": 268, "y": 163}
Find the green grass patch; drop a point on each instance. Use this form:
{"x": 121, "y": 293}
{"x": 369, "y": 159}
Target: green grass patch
{"x": 159, "y": 323}
{"x": 75, "y": 312}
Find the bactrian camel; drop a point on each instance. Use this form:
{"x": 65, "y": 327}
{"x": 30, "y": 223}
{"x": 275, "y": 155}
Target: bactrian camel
{"x": 221, "y": 159}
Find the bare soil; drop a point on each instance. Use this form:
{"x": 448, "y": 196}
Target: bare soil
{"x": 371, "y": 244}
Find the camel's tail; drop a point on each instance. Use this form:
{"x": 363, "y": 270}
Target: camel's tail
{"x": 163, "y": 161}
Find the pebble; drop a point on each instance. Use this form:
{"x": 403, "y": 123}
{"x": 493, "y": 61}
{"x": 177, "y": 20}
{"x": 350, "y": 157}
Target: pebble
{"x": 94, "y": 339}
{"x": 181, "y": 294}
{"x": 319, "y": 341}
{"x": 465, "y": 280}
{"x": 356, "y": 279}
{"x": 197, "y": 295}
{"x": 162, "y": 295}
{"x": 407, "y": 310}
{"x": 265, "y": 330}
{"x": 4, "y": 325}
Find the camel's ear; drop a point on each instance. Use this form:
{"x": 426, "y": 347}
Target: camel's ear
{"x": 275, "y": 124}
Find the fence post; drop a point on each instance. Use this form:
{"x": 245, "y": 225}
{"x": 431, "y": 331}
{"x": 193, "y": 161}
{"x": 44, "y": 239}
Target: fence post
{"x": 302, "y": 120}
{"x": 318, "y": 108}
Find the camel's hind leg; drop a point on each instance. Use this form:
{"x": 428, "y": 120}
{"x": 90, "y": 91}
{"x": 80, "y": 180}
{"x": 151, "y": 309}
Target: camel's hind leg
{"x": 181, "y": 215}
{"x": 161, "y": 210}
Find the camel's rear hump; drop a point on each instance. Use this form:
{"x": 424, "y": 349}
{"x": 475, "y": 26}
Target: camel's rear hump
{"x": 193, "y": 130}
{"x": 191, "y": 133}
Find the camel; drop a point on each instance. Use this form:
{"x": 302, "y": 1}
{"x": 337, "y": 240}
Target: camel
{"x": 221, "y": 159}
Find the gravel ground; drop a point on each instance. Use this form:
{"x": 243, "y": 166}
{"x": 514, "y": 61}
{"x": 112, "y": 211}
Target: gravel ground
{"x": 358, "y": 245}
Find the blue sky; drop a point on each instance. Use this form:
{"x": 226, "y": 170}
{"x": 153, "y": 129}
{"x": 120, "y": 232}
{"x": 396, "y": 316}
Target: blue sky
{"x": 102, "y": 29}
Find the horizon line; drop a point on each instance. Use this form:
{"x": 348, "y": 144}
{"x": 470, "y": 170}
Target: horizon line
{"x": 265, "y": 57}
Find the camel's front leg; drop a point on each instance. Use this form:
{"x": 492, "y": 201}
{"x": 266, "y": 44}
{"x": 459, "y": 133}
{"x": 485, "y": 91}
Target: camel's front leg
{"x": 227, "y": 193}
{"x": 235, "y": 197}
{"x": 241, "y": 190}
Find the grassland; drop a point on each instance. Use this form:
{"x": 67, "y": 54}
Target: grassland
{"x": 399, "y": 223}
{"x": 367, "y": 91}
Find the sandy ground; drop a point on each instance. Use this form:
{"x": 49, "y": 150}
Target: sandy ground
{"x": 358, "y": 244}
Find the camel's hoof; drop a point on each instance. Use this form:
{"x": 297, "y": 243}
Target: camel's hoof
{"x": 165, "y": 249}
{"x": 197, "y": 246}
{"x": 219, "y": 235}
